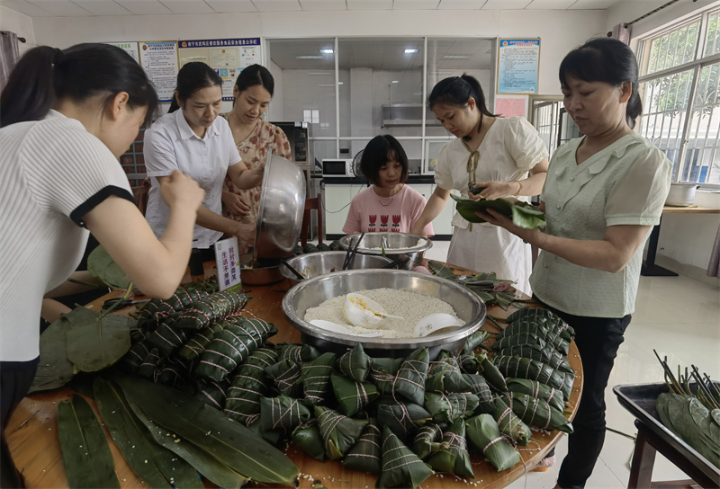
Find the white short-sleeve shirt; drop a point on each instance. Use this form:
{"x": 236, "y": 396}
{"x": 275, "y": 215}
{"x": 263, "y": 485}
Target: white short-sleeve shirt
{"x": 509, "y": 150}
{"x": 53, "y": 173}
{"x": 171, "y": 144}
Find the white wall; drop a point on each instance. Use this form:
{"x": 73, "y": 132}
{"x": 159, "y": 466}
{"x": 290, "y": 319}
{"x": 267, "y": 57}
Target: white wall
{"x": 276, "y": 111}
{"x": 20, "y": 24}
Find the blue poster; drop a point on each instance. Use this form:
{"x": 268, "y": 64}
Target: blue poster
{"x": 518, "y": 66}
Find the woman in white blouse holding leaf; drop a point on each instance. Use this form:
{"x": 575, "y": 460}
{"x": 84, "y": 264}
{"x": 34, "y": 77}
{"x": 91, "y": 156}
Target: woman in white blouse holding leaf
{"x": 506, "y": 157}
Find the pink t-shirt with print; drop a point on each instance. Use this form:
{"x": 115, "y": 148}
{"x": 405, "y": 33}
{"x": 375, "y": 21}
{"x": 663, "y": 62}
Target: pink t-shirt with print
{"x": 370, "y": 213}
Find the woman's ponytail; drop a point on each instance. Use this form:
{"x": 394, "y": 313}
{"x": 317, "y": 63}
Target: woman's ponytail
{"x": 30, "y": 90}
{"x": 457, "y": 90}
{"x": 634, "y": 107}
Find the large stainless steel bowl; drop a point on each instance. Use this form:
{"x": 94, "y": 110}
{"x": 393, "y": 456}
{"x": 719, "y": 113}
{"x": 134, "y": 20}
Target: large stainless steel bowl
{"x": 282, "y": 201}
{"x": 325, "y": 262}
{"x": 407, "y": 244}
{"x": 313, "y": 292}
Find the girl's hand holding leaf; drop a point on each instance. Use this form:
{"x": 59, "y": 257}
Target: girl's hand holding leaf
{"x": 532, "y": 236}
{"x": 496, "y": 190}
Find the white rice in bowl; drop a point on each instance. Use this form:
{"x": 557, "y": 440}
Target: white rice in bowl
{"x": 411, "y": 306}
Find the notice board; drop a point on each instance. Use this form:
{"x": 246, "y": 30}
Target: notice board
{"x": 518, "y": 66}
{"x": 159, "y": 59}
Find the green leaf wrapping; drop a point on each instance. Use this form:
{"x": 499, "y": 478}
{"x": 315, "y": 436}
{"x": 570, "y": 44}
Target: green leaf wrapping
{"x": 175, "y": 372}
{"x": 167, "y": 339}
{"x": 215, "y": 307}
{"x": 157, "y": 310}
{"x": 510, "y": 424}
{"x": 211, "y": 392}
{"x": 547, "y": 330}
{"x": 535, "y": 389}
{"x": 297, "y": 353}
{"x": 103, "y": 267}
{"x": 540, "y": 315}
{"x": 286, "y": 376}
{"x": 150, "y": 461}
{"x": 249, "y": 385}
{"x": 339, "y": 432}
{"x": 446, "y": 408}
{"x": 559, "y": 344}
{"x": 282, "y": 412}
{"x": 134, "y": 357}
{"x": 480, "y": 388}
{"x": 230, "y": 442}
{"x": 535, "y": 412}
{"x": 442, "y": 270}
{"x": 445, "y": 375}
{"x": 455, "y": 458}
{"x": 404, "y": 419}
{"x": 230, "y": 347}
{"x": 274, "y": 437}
{"x": 94, "y": 343}
{"x": 315, "y": 377}
{"x": 492, "y": 375}
{"x": 85, "y": 452}
{"x": 483, "y": 433}
{"x": 149, "y": 368}
{"x": 365, "y": 455}
{"x": 196, "y": 345}
{"x": 474, "y": 340}
{"x": 355, "y": 364}
{"x": 54, "y": 369}
{"x": 353, "y": 397}
{"x": 308, "y": 438}
{"x": 524, "y": 368}
{"x": 548, "y": 356}
{"x": 411, "y": 377}
{"x": 428, "y": 440}
{"x": 400, "y": 466}
{"x": 383, "y": 372}
{"x": 523, "y": 214}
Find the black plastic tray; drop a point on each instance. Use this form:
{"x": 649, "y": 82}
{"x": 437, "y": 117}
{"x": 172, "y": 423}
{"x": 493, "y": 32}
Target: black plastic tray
{"x": 640, "y": 399}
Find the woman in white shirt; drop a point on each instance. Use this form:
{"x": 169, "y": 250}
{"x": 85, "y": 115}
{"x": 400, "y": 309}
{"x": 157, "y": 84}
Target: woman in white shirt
{"x": 192, "y": 138}
{"x": 66, "y": 117}
{"x": 505, "y": 156}
{"x": 604, "y": 193}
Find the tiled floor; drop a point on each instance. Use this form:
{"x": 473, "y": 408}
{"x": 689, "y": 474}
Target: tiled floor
{"x": 677, "y": 316}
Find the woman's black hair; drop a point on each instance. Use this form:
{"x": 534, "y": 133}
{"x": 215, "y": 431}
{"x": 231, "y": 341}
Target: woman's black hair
{"x": 192, "y": 77}
{"x": 457, "y": 90}
{"x": 609, "y": 61}
{"x": 255, "y": 75}
{"x": 377, "y": 154}
{"x": 44, "y": 75}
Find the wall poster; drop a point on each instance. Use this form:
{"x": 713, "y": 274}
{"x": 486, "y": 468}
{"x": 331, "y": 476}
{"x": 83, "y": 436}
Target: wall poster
{"x": 512, "y": 106}
{"x": 518, "y": 66}
{"x": 228, "y": 57}
{"x": 129, "y": 47}
{"x": 159, "y": 59}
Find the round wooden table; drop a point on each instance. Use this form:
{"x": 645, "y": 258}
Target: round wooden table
{"x": 33, "y": 440}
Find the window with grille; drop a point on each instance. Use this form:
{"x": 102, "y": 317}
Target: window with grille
{"x": 680, "y": 70}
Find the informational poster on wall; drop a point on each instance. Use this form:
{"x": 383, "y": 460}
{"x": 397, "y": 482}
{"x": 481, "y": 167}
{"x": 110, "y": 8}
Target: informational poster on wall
{"x": 129, "y": 47}
{"x": 159, "y": 59}
{"x": 518, "y": 66}
{"x": 512, "y": 106}
{"x": 228, "y": 57}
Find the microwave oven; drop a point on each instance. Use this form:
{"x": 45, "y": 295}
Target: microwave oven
{"x": 337, "y": 168}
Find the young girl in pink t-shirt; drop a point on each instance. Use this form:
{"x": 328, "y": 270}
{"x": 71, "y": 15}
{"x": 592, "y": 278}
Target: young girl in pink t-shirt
{"x": 388, "y": 205}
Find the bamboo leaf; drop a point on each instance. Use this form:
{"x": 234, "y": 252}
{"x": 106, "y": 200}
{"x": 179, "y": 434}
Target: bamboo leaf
{"x": 154, "y": 464}
{"x": 93, "y": 343}
{"x": 86, "y": 455}
{"x": 441, "y": 270}
{"x": 523, "y": 214}
{"x": 228, "y": 441}
{"x": 102, "y": 266}
{"x": 54, "y": 369}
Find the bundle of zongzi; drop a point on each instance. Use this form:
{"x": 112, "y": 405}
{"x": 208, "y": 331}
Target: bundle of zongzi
{"x": 412, "y": 375}
{"x": 509, "y": 424}
{"x": 445, "y": 375}
{"x": 249, "y": 385}
{"x": 535, "y": 389}
{"x": 493, "y": 376}
{"x": 297, "y": 353}
{"x": 516, "y": 367}
{"x": 455, "y": 458}
{"x": 403, "y": 419}
{"x": 351, "y": 396}
{"x": 558, "y": 343}
{"x": 446, "y": 408}
{"x": 339, "y": 433}
{"x": 483, "y": 432}
{"x": 400, "y": 466}
{"x": 538, "y": 413}
{"x": 547, "y": 330}
{"x": 202, "y": 313}
{"x": 282, "y": 412}
{"x": 365, "y": 454}
{"x": 355, "y": 364}
{"x": 383, "y": 372}
{"x": 307, "y": 437}
{"x": 286, "y": 375}
{"x": 548, "y": 356}
{"x": 429, "y": 439}
{"x": 315, "y": 377}
{"x": 479, "y": 387}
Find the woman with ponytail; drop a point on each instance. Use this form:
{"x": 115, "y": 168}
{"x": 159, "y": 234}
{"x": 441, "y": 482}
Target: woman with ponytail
{"x": 192, "y": 138}
{"x": 604, "y": 193}
{"x": 503, "y": 157}
{"x": 65, "y": 118}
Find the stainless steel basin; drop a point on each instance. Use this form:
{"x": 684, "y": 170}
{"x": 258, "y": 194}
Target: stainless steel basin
{"x": 325, "y": 262}
{"x": 406, "y": 244}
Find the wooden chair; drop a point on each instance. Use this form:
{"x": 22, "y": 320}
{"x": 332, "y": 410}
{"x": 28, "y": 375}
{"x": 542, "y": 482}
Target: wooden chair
{"x": 312, "y": 204}
{"x": 141, "y": 195}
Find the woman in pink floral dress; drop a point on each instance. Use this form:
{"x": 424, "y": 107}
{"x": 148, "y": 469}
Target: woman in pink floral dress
{"x": 253, "y": 136}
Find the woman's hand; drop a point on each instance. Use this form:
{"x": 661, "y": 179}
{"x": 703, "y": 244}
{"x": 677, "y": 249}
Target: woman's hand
{"x": 257, "y": 173}
{"x": 496, "y": 190}
{"x": 235, "y": 204}
{"x": 532, "y": 236}
{"x": 178, "y": 188}
{"x": 245, "y": 233}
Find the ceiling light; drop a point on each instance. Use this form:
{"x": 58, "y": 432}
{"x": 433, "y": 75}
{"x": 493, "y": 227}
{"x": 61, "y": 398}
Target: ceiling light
{"x": 340, "y": 83}
{"x": 320, "y": 73}
{"x": 395, "y": 81}
{"x": 411, "y": 50}
{"x": 308, "y": 57}
{"x": 327, "y": 51}
{"x": 452, "y": 56}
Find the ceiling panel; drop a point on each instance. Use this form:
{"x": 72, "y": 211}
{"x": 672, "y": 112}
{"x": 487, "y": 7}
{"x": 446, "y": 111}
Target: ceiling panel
{"x": 231, "y": 6}
{"x": 26, "y": 8}
{"x": 61, "y": 8}
{"x": 323, "y": 5}
{"x": 144, "y": 7}
{"x": 594, "y": 4}
{"x": 277, "y": 5}
{"x": 550, "y": 4}
{"x": 461, "y": 4}
{"x": 506, "y": 4}
{"x": 415, "y": 4}
{"x": 102, "y": 7}
{"x": 188, "y": 6}
{"x": 369, "y": 4}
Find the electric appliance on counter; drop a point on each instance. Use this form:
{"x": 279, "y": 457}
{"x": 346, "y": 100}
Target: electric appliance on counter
{"x": 337, "y": 168}
{"x": 298, "y": 137}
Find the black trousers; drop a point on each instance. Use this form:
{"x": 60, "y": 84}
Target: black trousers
{"x": 598, "y": 340}
{"x": 15, "y": 381}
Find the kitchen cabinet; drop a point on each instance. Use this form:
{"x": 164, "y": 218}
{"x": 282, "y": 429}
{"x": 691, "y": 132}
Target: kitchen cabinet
{"x": 442, "y": 223}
